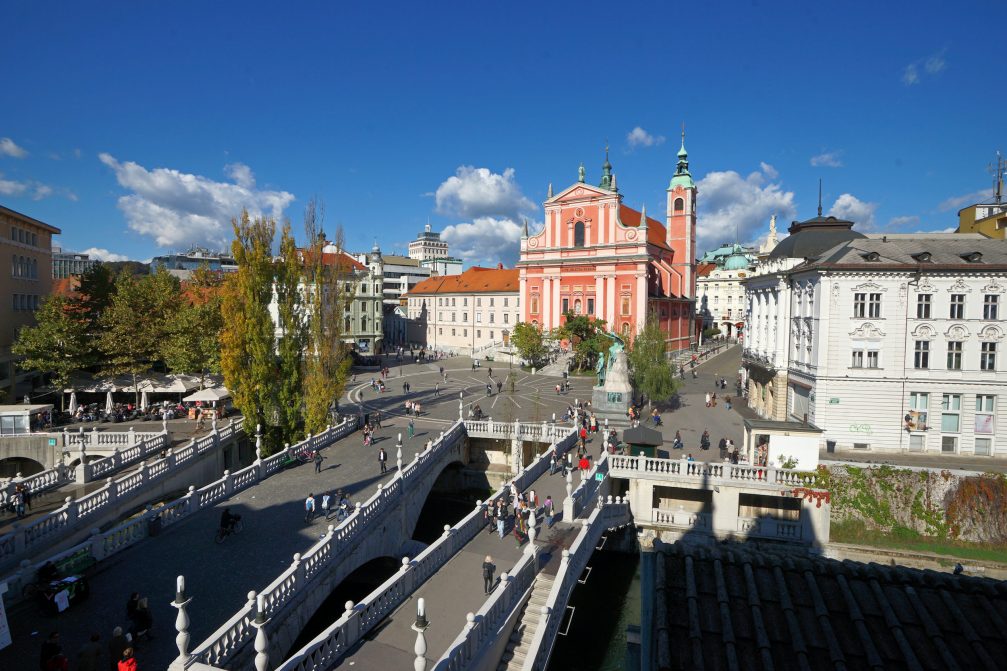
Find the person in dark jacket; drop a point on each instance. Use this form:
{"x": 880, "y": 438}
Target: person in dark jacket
{"x": 50, "y": 648}
{"x": 488, "y": 569}
{"x": 116, "y": 645}
{"x": 89, "y": 654}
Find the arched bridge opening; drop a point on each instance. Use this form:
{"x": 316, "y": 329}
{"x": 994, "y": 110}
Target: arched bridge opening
{"x": 452, "y": 497}
{"x": 361, "y": 582}
{"x": 11, "y": 466}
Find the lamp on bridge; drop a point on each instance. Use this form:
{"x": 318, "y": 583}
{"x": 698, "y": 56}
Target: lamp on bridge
{"x": 420, "y": 626}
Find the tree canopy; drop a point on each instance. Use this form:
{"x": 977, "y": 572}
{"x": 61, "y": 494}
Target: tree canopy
{"x": 529, "y": 341}
{"x": 648, "y": 362}
{"x": 586, "y": 336}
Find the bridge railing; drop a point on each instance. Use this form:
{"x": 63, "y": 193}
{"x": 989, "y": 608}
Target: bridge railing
{"x": 613, "y": 513}
{"x": 288, "y": 586}
{"x": 103, "y": 545}
{"x": 332, "y": 643}
{"x": 48, "y": 479}
{"x": 482, "y": 627}
{"x": 96, "y": 438}
{"x": 78, "y": 514}
{"x": 623, "y": 466}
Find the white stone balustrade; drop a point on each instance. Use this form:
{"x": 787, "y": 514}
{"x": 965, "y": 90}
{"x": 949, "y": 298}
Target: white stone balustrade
{"x": 359, "y": 619}
{"x": 713, "y": 473}
{"x": 102, "y": 545}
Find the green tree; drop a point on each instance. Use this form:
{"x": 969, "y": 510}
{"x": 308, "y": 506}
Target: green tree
{"x": 530, "y": 342}
{"x": 652, "y": 375}
{"x": 292, "y": 337}
{"x": 326, "y": 360}
{"x": 586, "y": 335}
{"x": 92, "y": 298}
{"x": 56, "y": 345}
{"x": 247, "y": 341}
{"x": 192, "y": 344}
{"x": 136, "y": 323}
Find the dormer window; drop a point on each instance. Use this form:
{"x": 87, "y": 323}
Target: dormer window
{"x": 872, "y": 257}
{"x": 973, "y": 257}
{"x": 923, "y": 257}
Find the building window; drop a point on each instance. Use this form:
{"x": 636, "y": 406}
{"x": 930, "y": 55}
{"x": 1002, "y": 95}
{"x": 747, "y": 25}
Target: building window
{"x": 922, "y": 356}
{"x": 479, "y": 333}
{"x": 955, "y": 355}
{"x": 872, "y": 358}
{"x": 578, "y": 234}
{"x": 949, "y": 444}
{"x": 990, "y": 305}
{"x": 625, "y": 329}
{"x": 983, "y": 447}
{"x": 491, "y": 317}
{"x": 577, "y": 305}
{"x": 566, "y": 305}
{"x": 859, "y": 305}
{"x": 985, "y": 409}
{"x": 34, "y": 240}
{"x": 874, "y": 306}
{"x": 923, "y": 302}
{"x": 346, "y": 325}
{"x": 957, "y": 306}
{"x": 465, "y": 333}
{"x": 505, "y": 301}
{"x": 625, "y": 305}
{"x": 590, "y": 306}
{"x": 452, "y": 332}
{"x": 919, "y": 405}
{"x": 951, "y": 406}
{"x": 440, "y": 331}
{"x": 363, "y": 324}
{"x": 453, "y": 301}
{"x": 465, "y": 317}
{"x": 491, "y": 335}
{"x": 491, "y": 301}
{"x": 506, "y": 318}
{"x": 479, "y": 301}
{"x": 679, "y": 204}
{"x": 988, "y": 356}
{"x": 858, "y": 359}
{"x": 465, "y": 302}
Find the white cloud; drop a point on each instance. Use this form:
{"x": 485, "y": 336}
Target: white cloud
{"x": 485, "y": 241}
{"x": 909, "y": 220}
{"x": 911, "y": 75}
{"x": 102, "y": 254}
{"x": 179, "y": 209}
{"x": 731, "y": 205}
{"x": 958, "y": 202}
{"x": 32, "y": 189}
{"x": 9, "y": 148}
{"x": 769, "y": 171}
{"x": 638, "y": 137}
{"x": 930, "y": 66}
{"x": 478, "y": 192}
{"x": 827, "y": 159}
{"x": 851, "y": 208}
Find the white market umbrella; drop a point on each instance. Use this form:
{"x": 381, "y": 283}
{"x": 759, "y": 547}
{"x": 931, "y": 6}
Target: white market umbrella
{"x": 108, "y": 403}
{"x": 143, "y": 401}
{"x": 208, "y": 395}
{"x": 73, "y": 402}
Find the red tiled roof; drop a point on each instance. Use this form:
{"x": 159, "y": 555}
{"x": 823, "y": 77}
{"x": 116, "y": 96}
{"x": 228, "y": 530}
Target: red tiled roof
{"x": 472, "y": 281}
{"x": 655, "y": 229}
{"x": 704, "y": 269}
{"x": 343, "y": 259}
{"x": 66, "y": 286}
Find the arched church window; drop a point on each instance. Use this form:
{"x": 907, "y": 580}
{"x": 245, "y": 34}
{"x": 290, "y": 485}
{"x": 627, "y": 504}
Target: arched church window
{"x": 679, "y": 204}
{"x": 578, "y": 234}
{"x": 625, "y": 328}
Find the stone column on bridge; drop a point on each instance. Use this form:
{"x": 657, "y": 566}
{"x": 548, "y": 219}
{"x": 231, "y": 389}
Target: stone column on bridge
{"x": 569, "y": 513}
{"x": 81, "y": 474}
{"x": 180, "y": 603}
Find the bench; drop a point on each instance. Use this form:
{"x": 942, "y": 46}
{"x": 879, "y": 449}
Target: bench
{"x": 75, "y": 564}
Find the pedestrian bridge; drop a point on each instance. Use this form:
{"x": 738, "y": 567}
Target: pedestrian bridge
{"x": 261, "y": 632}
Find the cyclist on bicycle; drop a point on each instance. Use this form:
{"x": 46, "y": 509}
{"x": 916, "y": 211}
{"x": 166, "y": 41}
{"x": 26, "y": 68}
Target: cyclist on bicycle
{"x": 228, "y": 520}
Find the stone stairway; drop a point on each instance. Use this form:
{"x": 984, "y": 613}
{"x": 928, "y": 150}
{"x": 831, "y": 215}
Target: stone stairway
{"x": 516, "y": 652}
{"x": 556, "y": 368}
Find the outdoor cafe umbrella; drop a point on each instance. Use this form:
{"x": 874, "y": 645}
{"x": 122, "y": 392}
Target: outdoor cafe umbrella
{"x": 73, "y": 402}
{"x": 143, "y": 401}
{"x": 108, "y": 403}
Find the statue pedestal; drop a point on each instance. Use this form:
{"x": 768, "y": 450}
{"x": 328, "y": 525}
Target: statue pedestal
{"x": 611, "y": 400}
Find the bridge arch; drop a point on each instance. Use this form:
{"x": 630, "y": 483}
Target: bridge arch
{"x": 12, "y": 464}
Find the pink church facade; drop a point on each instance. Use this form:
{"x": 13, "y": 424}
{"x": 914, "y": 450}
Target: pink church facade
{"x": 596, "y": 256}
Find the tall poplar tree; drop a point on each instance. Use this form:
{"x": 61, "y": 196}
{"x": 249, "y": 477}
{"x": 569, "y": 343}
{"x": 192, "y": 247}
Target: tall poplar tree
{"x": 326, "y": 362}
{"x": 292, "y": 336}
{"x": 247, "y": 342}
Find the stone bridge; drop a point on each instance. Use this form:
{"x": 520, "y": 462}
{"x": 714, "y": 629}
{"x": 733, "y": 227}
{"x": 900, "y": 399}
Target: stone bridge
{"x": 380, "y": 527}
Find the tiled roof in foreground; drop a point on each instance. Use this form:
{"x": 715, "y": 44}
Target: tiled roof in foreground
{"x": 735, "y": 607}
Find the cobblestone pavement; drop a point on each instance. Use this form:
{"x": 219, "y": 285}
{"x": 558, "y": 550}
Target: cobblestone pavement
{"x": 219, "y": 577}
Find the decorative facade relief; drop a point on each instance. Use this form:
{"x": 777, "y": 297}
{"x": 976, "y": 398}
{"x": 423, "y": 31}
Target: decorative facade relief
{"x": 957, "y": 332}
{"x": 993, "y": 287}
{"x": 869, "y": 287}
{"x": 991, "y": 334}
{"x": 867, "y": 330}
{"x": 924, "y": 286}
{"x": 924, "y": 332}
{"x": 960, "y": 287}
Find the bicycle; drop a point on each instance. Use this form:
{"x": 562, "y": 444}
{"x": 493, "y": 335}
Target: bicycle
{"x": 224, "y": 532}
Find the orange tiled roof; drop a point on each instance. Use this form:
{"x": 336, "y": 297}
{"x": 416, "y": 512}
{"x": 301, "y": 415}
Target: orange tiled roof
{"x": 704, "y": 269}
{"x": 343, "y": 259}
{"x": 66, "y": 286}
{"x": 473, "y": 281}
{"x": 655, "y": 229}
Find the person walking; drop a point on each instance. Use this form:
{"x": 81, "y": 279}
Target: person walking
{"x": 383, "y": 459}
{"x": 411, "y": 429}
{"x": 549, "y": 510}
{"x": 437, "y": 389}
{"x": 116, "y": 645}
{"x": 707, "y": 399}
{"x": 50, "y": 648}
{"x": 488, "y": 569}
{"x": 128, "y": 661}
{"x": 325, "y": 505}
{"x": 309, "y": 508}
{"x": 499, "y": 386}
{"x": 704, "y": 441}
{"x": 318, "y": 461}
{"x": 501, "y": 519}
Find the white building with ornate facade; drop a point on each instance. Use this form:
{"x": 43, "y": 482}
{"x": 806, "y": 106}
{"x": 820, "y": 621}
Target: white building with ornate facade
{"x": 889, "y": 343}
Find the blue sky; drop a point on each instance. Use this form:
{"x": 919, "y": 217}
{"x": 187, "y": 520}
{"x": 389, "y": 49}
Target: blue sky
{"x": 140, "y": 128}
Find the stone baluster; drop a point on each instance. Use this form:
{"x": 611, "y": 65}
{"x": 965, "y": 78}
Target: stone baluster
{"x": 258, "y": 441}
{"x": 82, "y": 472}
{"x": 213, "y": 421}
{"x": 113, "y": 490}
{"x": 569, "y": 512}
{"x": 420, "y": 627}
{"x": 261, "y": 641}
{"x": 132, "y": 436}
{"x": 398, "y": 456}
{"x": 530, "y": 549}
{"x": 180, "y": 603}
{"x": 72, "y": 510}
{"x": 299, "y": 579}
{"x": 351, "y": 630}
{"x": 94, "y": 436}
{"x": 228, "y": 484}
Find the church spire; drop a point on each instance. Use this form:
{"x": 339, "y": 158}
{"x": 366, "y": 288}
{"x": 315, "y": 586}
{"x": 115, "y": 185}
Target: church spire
{"x": 606, "y": 171}
{"x": 682, "y": 175}
{"x": 819, "y": 196}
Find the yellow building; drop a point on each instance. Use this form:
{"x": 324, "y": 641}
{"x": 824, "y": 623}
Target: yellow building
{"x": 989, "y": 219}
